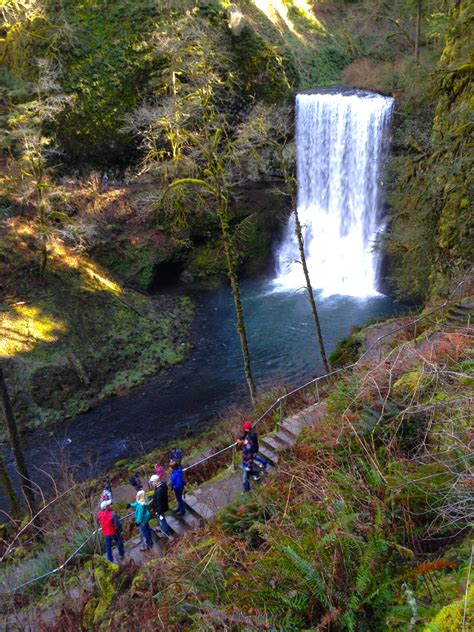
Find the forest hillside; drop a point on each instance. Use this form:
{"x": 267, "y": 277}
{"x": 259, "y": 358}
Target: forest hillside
{"x": 148, "y": 155}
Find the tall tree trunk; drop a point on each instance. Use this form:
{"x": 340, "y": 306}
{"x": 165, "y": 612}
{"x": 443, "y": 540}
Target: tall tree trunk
{"x": 7, "y": 486}
{"x": 15, "y": 441}
{"x": 239, "y": 312}
{"x": 418, "y": 31}
{"x": 309, "y": 289}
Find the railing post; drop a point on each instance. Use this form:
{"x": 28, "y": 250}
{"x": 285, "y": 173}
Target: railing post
{"x": 233, "y": 458}
{"x": 414, "y": 333}
{"x": 317, "y": 390}
{"x": 281, "y": 411}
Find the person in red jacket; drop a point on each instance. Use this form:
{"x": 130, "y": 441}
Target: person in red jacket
{"x": 111, "y": 529}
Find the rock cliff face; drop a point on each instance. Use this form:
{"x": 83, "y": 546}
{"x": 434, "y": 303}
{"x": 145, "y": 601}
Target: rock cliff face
{"x": 429, "y": 239}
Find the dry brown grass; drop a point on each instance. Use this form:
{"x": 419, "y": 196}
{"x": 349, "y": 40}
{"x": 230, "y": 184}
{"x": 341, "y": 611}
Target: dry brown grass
{"x": 368, "y": 74}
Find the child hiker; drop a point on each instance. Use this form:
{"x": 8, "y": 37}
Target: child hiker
{"x": 247, "y": 461}
{"x": 252, "y": 435}
{"x": 111, "y": 529}
{"x": 142, "y": 519}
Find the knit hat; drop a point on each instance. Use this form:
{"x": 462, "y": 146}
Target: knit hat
{"x": 158, "y": 470}
{"x": 247, "y": 425}
{"x": 141, "y": 499}
{"x": 154, "y": 478}
{"x": 104, "y": 504}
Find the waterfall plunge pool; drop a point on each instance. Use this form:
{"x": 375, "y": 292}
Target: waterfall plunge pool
{"x": 341, "y": 142}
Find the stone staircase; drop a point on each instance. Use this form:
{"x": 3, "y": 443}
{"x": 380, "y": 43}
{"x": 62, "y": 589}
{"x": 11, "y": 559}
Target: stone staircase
{"x": 205, "y": 502}
{"x": 461, "y": 314}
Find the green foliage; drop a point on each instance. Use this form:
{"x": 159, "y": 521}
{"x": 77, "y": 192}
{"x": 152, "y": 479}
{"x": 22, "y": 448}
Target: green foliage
{"x": 268, "y": 73}
{"x": 455, "y": 616}
{"x": 105, "y": 585}
{"x": 103, "y": 326}
{"x": 106, "y": 68}
{"x": 429, "y": 237}
{"x": 346, "y": 352}
{"x": 414, "y": 383}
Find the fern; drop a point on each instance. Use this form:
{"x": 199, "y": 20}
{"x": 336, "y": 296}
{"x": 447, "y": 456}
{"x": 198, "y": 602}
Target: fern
{"x": 310, "y": 575}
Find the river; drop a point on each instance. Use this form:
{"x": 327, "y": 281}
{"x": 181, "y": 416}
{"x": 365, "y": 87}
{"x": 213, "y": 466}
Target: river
{"x": 190, "y": 397}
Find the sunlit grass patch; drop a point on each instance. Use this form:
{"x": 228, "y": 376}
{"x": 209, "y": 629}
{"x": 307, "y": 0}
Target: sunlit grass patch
{"x": 23, "y": 326}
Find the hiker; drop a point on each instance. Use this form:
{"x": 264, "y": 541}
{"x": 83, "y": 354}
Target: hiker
{"x": 111, "y": 529}
{"x": 105, "y": 182}
{"x": 142, "y": 519}
{"x": 177, "y": 483}
{"x": 160, "y": 502}
{"x": 252, "y": 435}
{"x": 159, "y": 471}
{"x": 248, "y": 451}
{"x": 136, "y": 482}
{"x": 107, "y": 493}
{"x": 176, "y": 455}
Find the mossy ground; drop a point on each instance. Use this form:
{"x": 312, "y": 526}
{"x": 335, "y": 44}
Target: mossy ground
{"x": 77, "y": 335}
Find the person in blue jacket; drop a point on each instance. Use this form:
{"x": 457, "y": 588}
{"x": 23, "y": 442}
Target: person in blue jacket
{"x": 177, "y": 483}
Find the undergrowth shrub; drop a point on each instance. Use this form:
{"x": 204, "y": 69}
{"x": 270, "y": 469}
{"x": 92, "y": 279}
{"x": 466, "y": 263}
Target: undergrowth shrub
{"x": 347, "y": 351}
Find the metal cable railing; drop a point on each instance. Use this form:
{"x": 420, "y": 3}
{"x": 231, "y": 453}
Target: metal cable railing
{"x": 277, "y": 403}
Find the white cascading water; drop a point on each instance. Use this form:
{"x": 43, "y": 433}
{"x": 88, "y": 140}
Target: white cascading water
{"x": 340, "y": 144}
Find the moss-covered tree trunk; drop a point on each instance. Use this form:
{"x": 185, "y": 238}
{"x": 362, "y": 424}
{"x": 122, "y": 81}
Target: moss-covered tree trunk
{"x": 7, "y": 486}
{"x": 235, "y": 288}
{"x": 309, "y": 289}
{"x": 25, "y": 481}
{"x": 291, "y": 184}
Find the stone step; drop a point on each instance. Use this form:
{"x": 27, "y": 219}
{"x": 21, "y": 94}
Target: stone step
{"x": 190, "y": 520}
{"x": 467, "y": 307}
{"x": 460, "y": 313}
{"x": 273, "y": 444}
{"x": 199, "y": 507}
{"x": 291, "y": 432}
{"x": 269, "y": 454}
{"x": 460, "y": 319}
{"x": 284, "y": 438}
{"x": 296, "y": 423}
{"x": 292, "y": 426}
{"x": 176, "y": 525}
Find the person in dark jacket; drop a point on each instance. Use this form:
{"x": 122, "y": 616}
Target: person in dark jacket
{"x": 177, "y": 483}
{"x": 111, "y": 528}
{"x": 248, "y": 452}
{"x": 252, "y": 435}
{"x": 107, "y": 493}
{"x": 160, "y": 502}
{"x": 176, "y": 455}
{"x": 136, "y": 482}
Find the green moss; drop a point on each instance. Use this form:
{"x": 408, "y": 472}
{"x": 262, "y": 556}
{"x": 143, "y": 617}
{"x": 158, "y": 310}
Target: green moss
{"x": 346, "y": 352}
{"x": 456, "y": 616}
{"x": 121, "y": 463}
{"x": 104, "y": 575}
{"x": 70, "y": 348}
{"x": 413, "y": 383}
{"x": 269, "y": 73}
{"x": 208, "y": 261}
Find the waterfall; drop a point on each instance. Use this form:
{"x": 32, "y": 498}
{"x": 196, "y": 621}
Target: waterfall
{"x": 340, "y": 145}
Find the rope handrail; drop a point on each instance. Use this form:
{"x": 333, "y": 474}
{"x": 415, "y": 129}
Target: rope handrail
{"x": 262, "y": 416}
